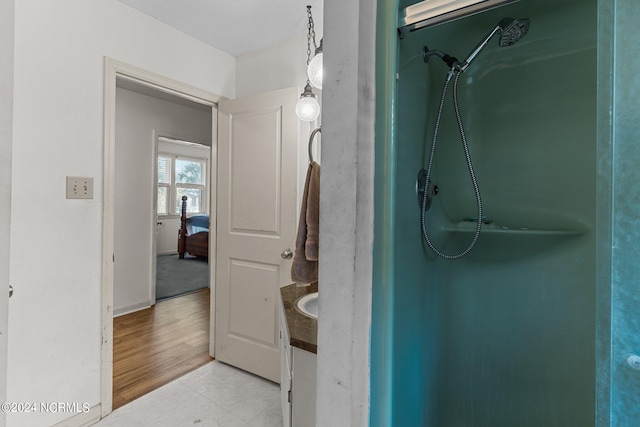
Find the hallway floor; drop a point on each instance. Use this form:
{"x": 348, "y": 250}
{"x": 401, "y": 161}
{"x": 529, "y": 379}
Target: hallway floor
{"x": 157, "y": 345}
{"x": 215, "y": 395}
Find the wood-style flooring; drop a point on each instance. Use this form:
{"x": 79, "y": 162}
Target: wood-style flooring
{"x": 152, "y": 347}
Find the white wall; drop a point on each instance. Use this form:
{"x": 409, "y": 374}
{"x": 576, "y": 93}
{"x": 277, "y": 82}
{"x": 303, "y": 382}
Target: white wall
{"x": 278, "y": 66}
{"x": 167, "y": 237}
{"x": 138, "y": 117}
{"x": 54, "y": 342}
{"x": 6, "y": 135}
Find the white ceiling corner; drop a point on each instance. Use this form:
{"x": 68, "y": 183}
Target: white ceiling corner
{"x": 237, "y": 27}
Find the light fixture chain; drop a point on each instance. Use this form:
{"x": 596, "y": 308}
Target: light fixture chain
{"x": 308, "y": 47}
{"x": 313, "y": 32}
{"x": 311, "y": 35}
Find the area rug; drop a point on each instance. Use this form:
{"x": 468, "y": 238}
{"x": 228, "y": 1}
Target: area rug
{"x": 176, "y": 276}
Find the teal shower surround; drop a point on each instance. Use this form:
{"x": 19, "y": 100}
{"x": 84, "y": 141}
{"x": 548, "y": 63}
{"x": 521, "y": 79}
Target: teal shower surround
{"x": 625, "y": 216}
{"x": 534, "y": 326}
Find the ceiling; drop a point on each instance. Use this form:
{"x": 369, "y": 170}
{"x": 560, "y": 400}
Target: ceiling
{"x": 237, "y": 27}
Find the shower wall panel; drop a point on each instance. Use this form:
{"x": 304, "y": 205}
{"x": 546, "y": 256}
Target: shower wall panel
{"x": 506, "y": 335}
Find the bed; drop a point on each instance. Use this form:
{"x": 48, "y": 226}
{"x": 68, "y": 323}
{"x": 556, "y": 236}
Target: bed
{"x": 193, "y": 236}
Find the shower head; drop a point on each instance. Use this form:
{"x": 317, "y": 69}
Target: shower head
{"x": 511, "y": 30}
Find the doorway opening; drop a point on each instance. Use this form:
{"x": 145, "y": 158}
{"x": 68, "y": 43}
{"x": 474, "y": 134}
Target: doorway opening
{"x": 157, "y": 344}
{"x": 130, "y": 223}
{"x": 182, "y": 217}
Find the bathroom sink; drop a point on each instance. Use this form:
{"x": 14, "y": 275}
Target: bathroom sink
{"x": 308, "y": 305}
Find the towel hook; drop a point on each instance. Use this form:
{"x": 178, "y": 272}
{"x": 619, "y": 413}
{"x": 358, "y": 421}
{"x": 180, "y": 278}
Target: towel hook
{"x": 313, "y": 134}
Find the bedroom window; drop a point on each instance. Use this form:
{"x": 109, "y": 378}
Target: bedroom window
{"x": 190, "y": 183}
{"x": 181, "y": 176}
{"x": 164, "y": 184}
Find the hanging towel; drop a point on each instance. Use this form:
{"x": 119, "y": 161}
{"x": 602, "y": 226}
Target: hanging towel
{"x": 304, "y": 270}
{"x": 313, "y": 214}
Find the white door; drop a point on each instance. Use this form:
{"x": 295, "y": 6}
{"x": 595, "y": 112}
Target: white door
{"x": 257, "y": 154}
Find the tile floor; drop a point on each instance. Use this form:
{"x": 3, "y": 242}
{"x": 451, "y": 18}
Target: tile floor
{"x": 215, "y": 395}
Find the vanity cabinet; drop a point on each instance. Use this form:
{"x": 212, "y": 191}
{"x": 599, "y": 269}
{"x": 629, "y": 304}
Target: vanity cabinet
{"x": 298, "y": 361}
{"x": 303, "y": 393}
{"x": 285, "y": 370}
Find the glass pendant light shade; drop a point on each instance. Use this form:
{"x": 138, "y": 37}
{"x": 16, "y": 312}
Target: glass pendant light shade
{"x": 307, "y": 108}
{"x": 314, "y": 70}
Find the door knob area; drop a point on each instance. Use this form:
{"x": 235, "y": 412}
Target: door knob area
{"x": 286, "y": 254}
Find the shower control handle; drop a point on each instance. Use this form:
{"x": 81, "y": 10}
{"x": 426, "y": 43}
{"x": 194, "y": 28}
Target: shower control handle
{"x": 425, "y": 189}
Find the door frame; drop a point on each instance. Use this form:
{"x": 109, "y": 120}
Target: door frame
{"x": 114, "y": 69}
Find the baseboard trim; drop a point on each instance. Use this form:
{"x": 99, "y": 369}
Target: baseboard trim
{"x": 167, "y": 253}
{"x": 83, "y": 419}
{"x": 130, "y": 309}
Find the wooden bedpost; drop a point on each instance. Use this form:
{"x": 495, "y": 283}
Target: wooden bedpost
{"x": 182, "y": 233}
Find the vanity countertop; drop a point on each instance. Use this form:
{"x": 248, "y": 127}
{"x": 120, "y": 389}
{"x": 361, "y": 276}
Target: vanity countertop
{"x": 303, "y": 330}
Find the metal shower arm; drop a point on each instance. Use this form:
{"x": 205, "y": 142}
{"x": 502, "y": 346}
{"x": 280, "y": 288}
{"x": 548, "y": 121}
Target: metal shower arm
{"x": 450, "y": 60}
{"x": 463, "y": 67}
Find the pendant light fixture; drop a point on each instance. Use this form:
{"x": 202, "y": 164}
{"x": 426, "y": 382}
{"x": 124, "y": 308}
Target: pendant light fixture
{"x": 314, "y": 70}
{"x": 308, "y": 108}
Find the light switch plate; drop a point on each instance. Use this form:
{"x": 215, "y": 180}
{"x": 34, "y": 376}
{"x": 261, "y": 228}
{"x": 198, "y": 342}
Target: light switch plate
{"x": 79, "y": 187}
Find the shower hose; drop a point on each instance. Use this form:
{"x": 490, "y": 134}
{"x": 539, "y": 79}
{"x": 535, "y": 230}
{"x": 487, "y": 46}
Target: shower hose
{"x": 423, "y": 206}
